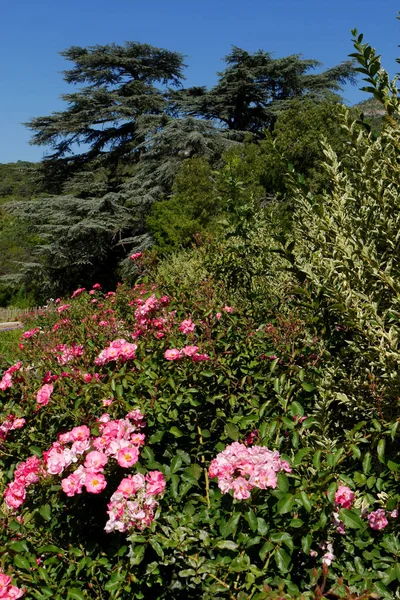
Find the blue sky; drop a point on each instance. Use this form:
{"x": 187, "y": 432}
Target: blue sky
{"x": 32, "y": 34}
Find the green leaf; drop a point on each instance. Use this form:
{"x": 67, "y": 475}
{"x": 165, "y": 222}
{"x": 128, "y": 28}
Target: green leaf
{"x": 283, "y": 537}
{"x": 45, "y": 512}
{"x": 305, "y": 501}
{"x": 317, "y": 460}
{"x": 296, "y": 409}
{"x": 332, "y": 491}
{"x": 306, "y": 543}
{"x": 262, "y": 527}
{"x": 283, "y": 483}
{"x": 156, "y": 437}
{"x": 75, "y": 594}
{"x": 22, "y": 563}
{"x": 351, "y": 519}
{"x": 381, "y": 450}
{"x": 300, "y": 455}
{"x": 176, "y": 432}
{"x": 366, "y": 462}
{"x": 282, "y": 560}
{"x": 285, "y": 504}
{"x": 308, "y": 387}
{"x": 207, "y": 373}
{"x": 176, "y": 464}
{"x": 156, "y": 546}
{"x": 231, "y": 431}
{"x": 50, "y": 548}
{"x": 393, "y": 466}
{"x": 226, "y": 545}
{"x": 252, "y": 520}
{"x": 19, "y": 547}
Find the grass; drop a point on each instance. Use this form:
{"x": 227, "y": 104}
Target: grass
{"x": 9, "y": 351}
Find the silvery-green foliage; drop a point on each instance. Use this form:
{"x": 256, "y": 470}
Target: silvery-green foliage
{"x": 347, "y": 244}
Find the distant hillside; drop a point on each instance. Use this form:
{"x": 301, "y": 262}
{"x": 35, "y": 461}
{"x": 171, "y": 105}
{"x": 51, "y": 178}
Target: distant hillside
{"x": 373, "y": 112}
{"x": 17, "y": 180}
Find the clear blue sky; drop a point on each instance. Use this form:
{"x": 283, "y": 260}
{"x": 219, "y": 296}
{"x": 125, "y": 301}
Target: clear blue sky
{"x": 32, "y": 33}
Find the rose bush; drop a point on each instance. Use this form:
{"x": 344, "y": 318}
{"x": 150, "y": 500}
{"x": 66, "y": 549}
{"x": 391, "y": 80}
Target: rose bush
{"x": 175, "y": 449}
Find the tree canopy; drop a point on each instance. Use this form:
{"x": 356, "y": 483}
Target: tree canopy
{"x": 254, "y": 88}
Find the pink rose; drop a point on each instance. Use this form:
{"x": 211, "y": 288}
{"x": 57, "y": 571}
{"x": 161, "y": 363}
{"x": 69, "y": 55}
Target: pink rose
{"x": 131, "y": 484}
{"x": 187, "y": 326}
{"x": 200, "y": 357}
{"x": 344, "y": 496}
{"x": 377, "y": 519}
{"x": 95, "y": 461}
{"x": 18, "y": 423}
{"x": 155, "y": 483}
{"x": 43, "y": 395}
{"x": 240, "y": 487}
{"x": 95, "y": 482}
{"x": 172, "y": 354}
{"x": 189, "y": 350}
{"x": 127, "y": 457}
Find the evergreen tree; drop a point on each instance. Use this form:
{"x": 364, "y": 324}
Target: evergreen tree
{"x": 123, "y": 100}
{"x": 254, "y": 88}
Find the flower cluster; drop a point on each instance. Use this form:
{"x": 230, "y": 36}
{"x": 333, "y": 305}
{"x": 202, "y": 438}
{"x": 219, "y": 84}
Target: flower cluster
{"x": 62, "y": 308}
{"x": 7, "y": 590}
{"x": 189, "y": 351}
{"x": 241, "y": 468}
{"x": 25, "y": 474}
{"x": 68, "y": 353}
{"x": 6, "y": 381}
{"x": 78, "y": 292}
{"x": 145, "y": 315}
{"x": 134, "y": 502}
{"x": 118, "y": 349}
{"x": 119, "y": 439}
{"x": 187, "y": 326}
{"x": 28, "y": 334}
{"x": 10, "y": 424}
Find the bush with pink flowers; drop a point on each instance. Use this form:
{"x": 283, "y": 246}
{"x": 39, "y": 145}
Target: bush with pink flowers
{"x": 150, "y": 446}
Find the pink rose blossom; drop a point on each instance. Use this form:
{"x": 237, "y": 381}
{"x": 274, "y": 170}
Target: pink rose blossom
{"x": 131, "y": 484}
{"x": 155, "y": 483}
{"x": 135, "y": 256}
{"x": 43, "y": 395}
{"x": 172, "y": 354}
{"x": 187, "y": 326}
{"x": 127, "y": 457}
{"x": 189, "y": 350}
{"x": 240, "y": 488}
{"x": 95, "y": 482}
{"x": 200, "y": 357}
{"x": 344, "y": 496}
{"x": 18, "y": 423}
{"x": 377, "y": 519}
{"x": 95, "y": 461}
